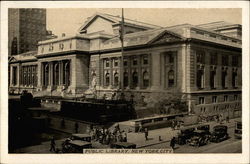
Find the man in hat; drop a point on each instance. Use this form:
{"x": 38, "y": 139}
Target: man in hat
{"x": 172, "y": 143}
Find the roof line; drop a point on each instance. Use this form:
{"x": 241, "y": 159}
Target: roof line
{"x": 131, "y": 20}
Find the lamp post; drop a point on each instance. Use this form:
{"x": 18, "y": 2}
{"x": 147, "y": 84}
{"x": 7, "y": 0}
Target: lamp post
{"x": 122, "y": 51}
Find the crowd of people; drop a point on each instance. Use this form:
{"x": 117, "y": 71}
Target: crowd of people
{"x": 108, "y": 136}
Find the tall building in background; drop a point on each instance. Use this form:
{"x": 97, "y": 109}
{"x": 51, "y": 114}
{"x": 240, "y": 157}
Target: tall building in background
{"x": 26, "y": 28}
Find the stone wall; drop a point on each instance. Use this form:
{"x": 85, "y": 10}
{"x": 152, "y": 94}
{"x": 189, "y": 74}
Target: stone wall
{"x": 69, "y": 125}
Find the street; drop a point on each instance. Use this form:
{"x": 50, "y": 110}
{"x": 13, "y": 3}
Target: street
{"x": 231, "y": 145}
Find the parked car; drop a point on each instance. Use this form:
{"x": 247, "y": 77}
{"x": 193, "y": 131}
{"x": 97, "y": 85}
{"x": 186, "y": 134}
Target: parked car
{"x": 199, "y": 138}
{"x": 184, "y": 135}
{"x": 82, "y": 137}
{"x": 238, "y": 129}
{"x": 203, "y": 127}
{"x": 123, "y": 145}
{"x": 75, "y": 146}
{"x": 219, "y": 133}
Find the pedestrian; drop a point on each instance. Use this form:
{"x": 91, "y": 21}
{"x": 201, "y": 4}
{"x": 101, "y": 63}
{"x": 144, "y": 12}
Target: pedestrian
{"x": 146, "y": 133}
{"x": 52, "y": 144}
{"x": 173, "y": 124}
{"x": 178, "y": 125}
{"x": 140, "y": 127}
{"x": 217, "y": 118}
{"x": 221, "y": 119}
{"x": 76, "y": 127}
{"x": 125, "y": 137}
{"x": 227, "y": 118}
{"x": 172, "y": 143}
{"x": 120, "y": 136}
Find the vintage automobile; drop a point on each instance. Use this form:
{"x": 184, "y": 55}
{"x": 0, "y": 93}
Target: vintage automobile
{"x": 75, "y": 146}
{"x": 184, "y": 135}
{"x": 200, "y": 137}
{"x": 203, "y": 127}
{"x": 123, "y": 145}
{"x": 82, "y": 137}
{"x": 219, "y": 133}
{"x": 238, "y": 129}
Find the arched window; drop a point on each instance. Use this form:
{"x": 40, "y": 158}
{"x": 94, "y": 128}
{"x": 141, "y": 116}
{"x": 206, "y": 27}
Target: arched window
{"x": 234, "y": 79}
{"x": 125, "y": 79}
{"x": 67, "y": 74}
{"x": 56, "y": 74}
{"x": 212, "y": 79}
{"x": 200, "y": 79}
{"x": 46, "y": 75}
{"x": 171, "y": 78}
{"x": 116, "y": 79}
{"x": 145, "y": 79}
{"x": 135, "y": 79}
{"x": 107, "y": 79}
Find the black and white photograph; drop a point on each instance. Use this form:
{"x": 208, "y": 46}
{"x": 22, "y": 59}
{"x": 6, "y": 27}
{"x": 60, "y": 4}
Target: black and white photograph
{"x": 123, "y": 80}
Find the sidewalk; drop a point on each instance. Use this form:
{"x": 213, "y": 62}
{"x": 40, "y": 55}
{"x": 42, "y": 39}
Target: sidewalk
{"x": 137, "y": 138}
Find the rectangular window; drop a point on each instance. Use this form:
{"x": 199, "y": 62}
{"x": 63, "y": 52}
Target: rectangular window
{"x": 212, "y": 79}
{"x": 171, "y": 58}
{"x": 200, "y": 57}
{"x": 201, "y": 100}
{"x": 235, "y": 61}
{"x": 225, "y": 98}
{"x": 224, "y": 79}
{"x": 200, "y": 79}
{"x": 214, "y": 99}
{"x": 125, "y": 63}
{"x": 224, "y": 60}
{"x": 235, "y": 97}
{"x": 107, "y": 63}
{"x": 145, "y": 60}
{"x": 213, "y": 59}
{"x": 135, "y": 62}
{"x": 116, "y": 62}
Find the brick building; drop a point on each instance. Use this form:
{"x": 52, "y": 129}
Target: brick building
{"x": 202, "y": 65}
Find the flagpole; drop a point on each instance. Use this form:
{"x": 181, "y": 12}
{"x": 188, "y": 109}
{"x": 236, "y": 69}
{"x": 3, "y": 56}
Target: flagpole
{"x": 122, "y": 50}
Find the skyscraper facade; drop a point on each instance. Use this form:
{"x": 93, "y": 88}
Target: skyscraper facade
{"x": 27, "y": 26}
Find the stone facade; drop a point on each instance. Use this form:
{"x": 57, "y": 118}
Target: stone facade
{"x": 200, "y": 66}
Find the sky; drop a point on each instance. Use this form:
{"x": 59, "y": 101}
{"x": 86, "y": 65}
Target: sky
{"x": 69, "y": 20}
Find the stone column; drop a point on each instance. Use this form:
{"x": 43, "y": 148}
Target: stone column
{"x": 156, "y": 71}
{"x": 50, "y": 74}
{"x": 11, "y": 76}
{"x": 40, "y": 72}
{"x": 60, "y": 73}
{"x": 140, "y": 73}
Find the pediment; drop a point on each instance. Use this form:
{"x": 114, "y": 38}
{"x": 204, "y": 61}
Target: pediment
{"x": 94, "y": 20}
{"x": 12, "y": 59}
{"x": 165, "y": 37}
